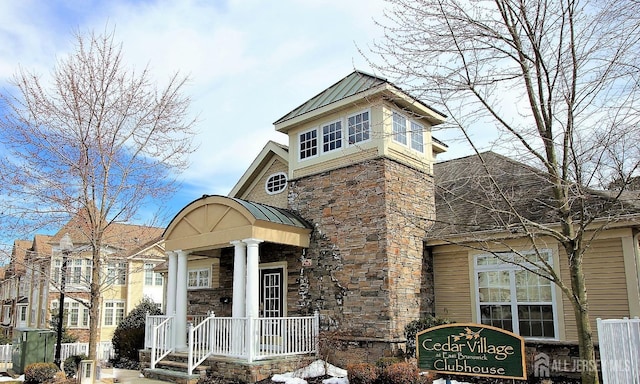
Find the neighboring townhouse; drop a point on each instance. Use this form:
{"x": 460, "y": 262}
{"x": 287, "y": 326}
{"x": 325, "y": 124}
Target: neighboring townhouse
{"x": 126, "y": 251}
{"x": 15, "y": 289}
{"x": 349, "y": 220}
{"x": 30, "y": 287}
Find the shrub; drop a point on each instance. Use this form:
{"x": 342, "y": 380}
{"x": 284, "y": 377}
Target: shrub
{"x": 399, "y": 373}
{"x": 414, "y": 327}
{"x": 362, "y": 373}
{"x": 128, "y": 337}
{"x": 71, "y": 364}
{"x": 39, "y": 373}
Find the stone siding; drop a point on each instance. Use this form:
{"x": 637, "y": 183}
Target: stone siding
{"x": 365, "y": 270}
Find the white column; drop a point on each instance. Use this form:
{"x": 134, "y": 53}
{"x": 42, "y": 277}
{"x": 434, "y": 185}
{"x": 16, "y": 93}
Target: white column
{"x": 170, "y": 308}
{"x": 181, "y": 302}
{"x": 239, "y": 279}
{"x": 253, "y": 278}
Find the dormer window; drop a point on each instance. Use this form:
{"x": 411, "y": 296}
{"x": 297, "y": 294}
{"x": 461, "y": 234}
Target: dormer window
{"x": 308, "y": 144}
{"x": 408, "y": 130}
{"x": 276, "y": 183}
{"x": 359, "y": 127}
{"x": 399, "y": 128}
{"x": 417, "y": 137}
{"x": 332, "y": 136}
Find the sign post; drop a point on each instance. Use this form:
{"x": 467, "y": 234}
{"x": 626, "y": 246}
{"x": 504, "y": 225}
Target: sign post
{"x": 473, "y": 350}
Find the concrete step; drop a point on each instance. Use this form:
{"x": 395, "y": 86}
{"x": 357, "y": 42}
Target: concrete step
{"x": 181, "y": 366}
{"x": 171, "y": 376}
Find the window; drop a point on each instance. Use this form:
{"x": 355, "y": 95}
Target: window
{"x": 150, "y": 276}
{"x": 276, "y": 183}
{"x": 76, "y": 272}
{"x": 332, "y": 136}
{"x": 113, "y": 312}
{"x": 199, "y": 278}
{"x": 76, "y": 314}
{"x": 308, "y": 144}
{"x": 117, "y": 273}
{"x": 358, "y": 127}
{"x": 515, "y": 299}
{"x": 399, "y": 128}
{"x": 417, "y": 137}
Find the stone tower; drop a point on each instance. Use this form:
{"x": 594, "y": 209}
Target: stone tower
{"x": 360, "y": 170}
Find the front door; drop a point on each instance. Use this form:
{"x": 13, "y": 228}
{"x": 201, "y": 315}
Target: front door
{"x": 272, "y": 292}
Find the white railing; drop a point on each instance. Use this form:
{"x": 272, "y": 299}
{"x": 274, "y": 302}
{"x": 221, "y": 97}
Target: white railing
{"x": 162, "y": 340}
{"x": 150, "y": 323}
{"x": 619, "y": 341}
{"x": 252, "y": 339}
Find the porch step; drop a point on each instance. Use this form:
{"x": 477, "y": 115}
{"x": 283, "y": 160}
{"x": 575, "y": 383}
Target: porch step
{"x": 171, "y": 376}
{"x": 181, "y": 366}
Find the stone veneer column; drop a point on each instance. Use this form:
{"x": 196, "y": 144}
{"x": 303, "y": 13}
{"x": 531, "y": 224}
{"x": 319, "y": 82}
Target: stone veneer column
{"x": 170, "y": 308}
{"x": 181, "y": 302}
{"x": 253, "y": 278}
{"x": 239, "y": 279}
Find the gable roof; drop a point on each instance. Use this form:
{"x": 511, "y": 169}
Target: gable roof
{"x": 357, "y": 84}
{"x": 117, "y": 235}
{"x": 270, "y": 150}
{"x": 468, "y": 201}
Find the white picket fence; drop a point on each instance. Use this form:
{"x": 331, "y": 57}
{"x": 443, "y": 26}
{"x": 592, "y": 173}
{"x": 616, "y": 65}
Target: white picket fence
{"x": 619, "y": 350}
{"x": 105, "y": 351}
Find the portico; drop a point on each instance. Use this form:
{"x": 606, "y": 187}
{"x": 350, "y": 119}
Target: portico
{"x": 200, "y": 231}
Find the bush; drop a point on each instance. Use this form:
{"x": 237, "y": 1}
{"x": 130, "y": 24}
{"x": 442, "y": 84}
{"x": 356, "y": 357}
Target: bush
{"x": 414, "y": 327}
{"x": 399, "y": 373}
{"x": 72, "y": 363}
{"x": 362, "y": 373}
{"x": 128, "y": 337}
{"x": 39, "y": 373}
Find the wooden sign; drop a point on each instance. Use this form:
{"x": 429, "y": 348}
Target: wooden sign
{"x": 473, "y": 350}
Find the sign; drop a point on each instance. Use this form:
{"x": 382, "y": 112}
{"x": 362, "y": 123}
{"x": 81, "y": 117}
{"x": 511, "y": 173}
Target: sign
{"x": 472, "y": 349}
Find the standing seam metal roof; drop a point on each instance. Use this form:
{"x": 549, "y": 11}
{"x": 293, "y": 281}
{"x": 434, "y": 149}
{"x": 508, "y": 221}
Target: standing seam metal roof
{"x": 354, "y": 83}
{"x": 273, "y": 214}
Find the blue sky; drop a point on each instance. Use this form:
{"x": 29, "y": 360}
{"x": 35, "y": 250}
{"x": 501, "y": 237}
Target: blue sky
{"x": 250, "y": 61}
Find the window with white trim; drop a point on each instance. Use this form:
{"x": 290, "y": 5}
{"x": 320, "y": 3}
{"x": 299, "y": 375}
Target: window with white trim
{"x": 332, "y": 136}
{"x": 76, "y": 315}
{"x": 117, "y": 273}
{"x": 199, "y": 278}
{"x": 358, "y": 128}
{"x": 514, "y": 298}
{"x": 150, "y": 276}
{"x": 399, "y": 128}
{"x": 113, "y": 312}
{"x": 308, "y": 144}
{"x": 276, "y": 183}
{"x": 417, "y": 137}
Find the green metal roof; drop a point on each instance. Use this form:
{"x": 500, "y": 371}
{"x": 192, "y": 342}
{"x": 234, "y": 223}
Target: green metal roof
{"x": 354, "y": 83}
{"x": 273, "y": 214}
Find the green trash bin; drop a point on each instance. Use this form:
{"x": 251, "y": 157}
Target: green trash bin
{"x": 32, "y": 346}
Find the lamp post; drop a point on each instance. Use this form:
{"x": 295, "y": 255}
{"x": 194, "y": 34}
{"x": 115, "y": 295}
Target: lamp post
{"x": 66, "y": 245}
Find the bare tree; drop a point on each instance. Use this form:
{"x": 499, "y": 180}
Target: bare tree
{"x": 558, "y": 80}
{"x": 95, "y": 138}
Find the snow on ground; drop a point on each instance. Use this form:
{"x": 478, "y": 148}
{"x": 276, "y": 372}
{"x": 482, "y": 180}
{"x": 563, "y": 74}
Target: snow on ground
{"x": 443, "y": 381}
{"x": 315, "y": 369}
{"x": 9, "y": 378}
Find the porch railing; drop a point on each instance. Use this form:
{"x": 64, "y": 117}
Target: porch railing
{"x": 162, "y": 340}
{"x": 251, "y": 338}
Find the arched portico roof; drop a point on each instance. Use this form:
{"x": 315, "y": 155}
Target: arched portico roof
{"x": 214, "y": 221}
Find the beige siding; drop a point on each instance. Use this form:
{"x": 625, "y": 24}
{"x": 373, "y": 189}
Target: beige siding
{"x": 606, "y": 285}
{"x": 452, "y": 283}
{"x": 257, "y": 192}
